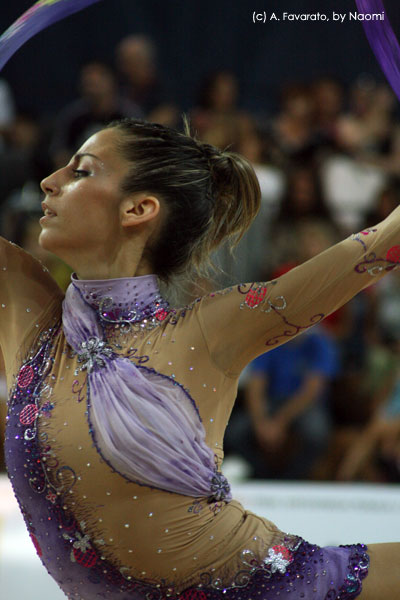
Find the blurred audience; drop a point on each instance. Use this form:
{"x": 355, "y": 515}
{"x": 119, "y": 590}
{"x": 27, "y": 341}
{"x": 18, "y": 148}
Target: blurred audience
{"x": 217, "y": 118}
{"x": 286, "y": 424}
{"x": 293, "y": 130}
{"x": 7, "y": 109}
{"x": 374, "y": 452}
{"x": 18, "y": 158}
{"x": 136, "y": 60}
{"x": 100, "y": 103}
{"x": 328, "y": 99}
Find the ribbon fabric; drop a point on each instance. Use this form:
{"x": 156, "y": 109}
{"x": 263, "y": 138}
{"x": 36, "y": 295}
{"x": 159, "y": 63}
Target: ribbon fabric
{"x": 383, "y": 41}
{"x": 41, "y": 15}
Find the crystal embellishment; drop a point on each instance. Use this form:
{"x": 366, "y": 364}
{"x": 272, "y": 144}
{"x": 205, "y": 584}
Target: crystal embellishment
{"x": 220, "y": 488}
{"x": 279, "y": 558}
{"x": 94, "y": 353}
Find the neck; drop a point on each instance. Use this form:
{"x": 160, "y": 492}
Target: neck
{"x": 128, "y": 261}
{"x": 95, "y": 271}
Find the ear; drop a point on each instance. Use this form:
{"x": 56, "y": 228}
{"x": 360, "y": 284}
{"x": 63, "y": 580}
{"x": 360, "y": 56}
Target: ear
{"x": 138, "y": 209}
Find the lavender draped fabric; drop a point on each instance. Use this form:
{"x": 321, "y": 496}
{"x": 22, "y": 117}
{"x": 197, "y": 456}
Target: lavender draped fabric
{"x": 382, "y": 41}
{"x": 42, "y": 14}
{"x": 145, "y": 426}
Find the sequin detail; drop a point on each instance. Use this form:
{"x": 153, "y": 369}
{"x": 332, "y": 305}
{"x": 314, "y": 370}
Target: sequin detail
{"x": 152, "y": 313}
{"x": 278, "y": 559}
{"x": 393, "y": 254}
{"x": 94, "y": 353}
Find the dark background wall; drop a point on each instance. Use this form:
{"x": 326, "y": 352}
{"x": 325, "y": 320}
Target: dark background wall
{"x": 194, "y": 37}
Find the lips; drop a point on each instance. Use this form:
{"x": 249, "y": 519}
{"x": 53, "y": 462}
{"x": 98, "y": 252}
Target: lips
{"x": 48, "y": 211}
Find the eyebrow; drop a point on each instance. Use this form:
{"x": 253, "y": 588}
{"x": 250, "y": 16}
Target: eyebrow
{"x": 82, "y": 154}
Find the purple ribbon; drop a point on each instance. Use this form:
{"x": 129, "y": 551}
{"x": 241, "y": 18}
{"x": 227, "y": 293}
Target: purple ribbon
{"x": 382, "y": 41}
{"x": 145, "y": 425}
{"x": 42, "y": 14}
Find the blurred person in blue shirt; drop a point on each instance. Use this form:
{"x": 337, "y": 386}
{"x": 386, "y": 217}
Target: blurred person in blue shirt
{"x": 287, "y": 424}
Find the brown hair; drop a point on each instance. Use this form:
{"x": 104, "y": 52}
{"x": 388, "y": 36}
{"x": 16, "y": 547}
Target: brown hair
{"x": 210, "y": 195}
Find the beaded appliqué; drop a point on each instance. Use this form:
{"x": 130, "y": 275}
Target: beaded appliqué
{"x": 139, "y": 317}
{"x": 369, "y": 264}
{"x": 278, "y": 559}
{"x": 93, "y": 355}
{"x": 82, "y": 551}
{"x": 255, "y": 296}
{"x": 357, "y": 236}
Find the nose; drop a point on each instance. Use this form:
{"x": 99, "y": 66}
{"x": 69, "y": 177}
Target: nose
{"x": 49, "y": 185}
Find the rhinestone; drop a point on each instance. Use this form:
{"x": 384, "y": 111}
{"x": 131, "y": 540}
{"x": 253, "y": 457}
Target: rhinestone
{"x": 126, "y": 525}
{"x": 150, "y": 514}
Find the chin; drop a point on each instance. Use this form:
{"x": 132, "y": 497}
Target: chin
{"x": 49, "y": 241}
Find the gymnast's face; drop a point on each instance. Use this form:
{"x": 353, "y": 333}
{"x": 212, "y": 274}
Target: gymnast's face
{"x": 82, "y": 200}
{"x": 89, "y": 222}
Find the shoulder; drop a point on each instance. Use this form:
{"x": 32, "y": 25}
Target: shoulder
{"x": 17, "y": 264}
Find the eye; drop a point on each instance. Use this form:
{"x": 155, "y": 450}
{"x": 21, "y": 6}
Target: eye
{"x": 80, "y": 173}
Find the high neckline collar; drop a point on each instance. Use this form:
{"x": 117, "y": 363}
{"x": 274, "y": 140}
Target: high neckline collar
{"x": 123, "y": 300}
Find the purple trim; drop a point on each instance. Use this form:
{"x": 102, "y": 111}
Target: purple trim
{"x": 298, "y": 328}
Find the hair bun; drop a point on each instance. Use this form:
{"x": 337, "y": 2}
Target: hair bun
{"x": 236, "y": 193}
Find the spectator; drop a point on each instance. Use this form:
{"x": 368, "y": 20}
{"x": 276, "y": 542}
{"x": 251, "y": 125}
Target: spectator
{"x": 216, "y": 117}
{"x": 303, "y": 200}
{"x": 141, "y": 84}
{"x": 387, "y": 200}
{"x": 287, "y": 425}
{"x": 7, "y": 109}
{"x": 375, "y": 451}
{"x": 368, "y": 127}
{"x": 99, "y": 104}
{"x": 328, "y": 98}
{"x": 18, "y": 158}
{"x": 293, "y": 129}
